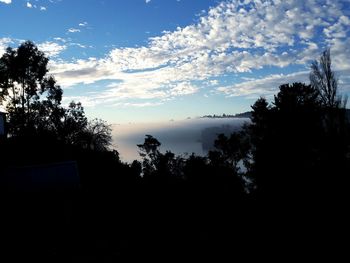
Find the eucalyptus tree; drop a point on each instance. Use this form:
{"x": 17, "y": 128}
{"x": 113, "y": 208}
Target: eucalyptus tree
{"x": 26, "y": 90}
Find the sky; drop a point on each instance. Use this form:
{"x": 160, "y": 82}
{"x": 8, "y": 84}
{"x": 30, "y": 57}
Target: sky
{"x": 158, "y": 60}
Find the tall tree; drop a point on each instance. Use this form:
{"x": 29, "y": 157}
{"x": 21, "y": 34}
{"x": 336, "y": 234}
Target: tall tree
{"x": 24, "y": 83}
{"x": 324, "y": 79}
{"x": 33, "y": 102}
{"x": 150, "y": 153}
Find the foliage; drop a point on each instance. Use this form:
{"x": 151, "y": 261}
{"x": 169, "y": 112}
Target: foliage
{"x": 73, "y": 123}
{"x": 156, "y": 164}
{"x": 232, "y": 151}
{"x": 29, "y": 94}
{"x": 33, "y": 102}
{"x": 98, "y": 134}
{"x": 324, "y": 80}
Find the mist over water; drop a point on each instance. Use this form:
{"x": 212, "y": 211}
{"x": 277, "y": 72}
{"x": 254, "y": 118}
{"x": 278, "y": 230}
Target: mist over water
{"x": 181, "y": 137}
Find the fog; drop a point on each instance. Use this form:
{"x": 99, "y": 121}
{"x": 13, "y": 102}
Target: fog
{"x": 181, "y": 137}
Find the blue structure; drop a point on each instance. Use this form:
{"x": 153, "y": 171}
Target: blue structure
{"x": 52, "y": 177}
{"x": 2, "y": 124}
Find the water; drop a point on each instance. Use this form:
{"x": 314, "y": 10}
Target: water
{"x": 181, "y": 137}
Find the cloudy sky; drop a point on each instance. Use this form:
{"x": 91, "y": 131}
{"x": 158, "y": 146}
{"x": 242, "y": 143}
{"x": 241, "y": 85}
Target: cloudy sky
{"x": 152, "y": 60}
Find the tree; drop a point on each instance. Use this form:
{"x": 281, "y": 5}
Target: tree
{"x": 260, "y": 111}
{"x": 299, "y": 145}
{"x": 285, "y": 141}
{"x": 97, "y": 135}
{"x": 232, "y": 151}
{"x": 33, "y": 102}
{"x": 156, "y": 164}
{"x": 297, "y": 95}
{"x": 23, "y": 86}
{"x": 73, "y": 123}
{"x": 149, "y": 147}
{"x": 150, "y": 153}
{"x": 324, "y": 80}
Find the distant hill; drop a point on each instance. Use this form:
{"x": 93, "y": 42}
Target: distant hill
{"x": 246, "y": 114}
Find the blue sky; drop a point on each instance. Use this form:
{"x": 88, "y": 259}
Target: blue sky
{"x": 142, "y": 61}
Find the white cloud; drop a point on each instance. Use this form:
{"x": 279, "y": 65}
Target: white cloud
{"x": 73, "y": 30}
{"x": 63, "y": 40}
{"x": 183, "y": 88}
{"x": 138, "y": 105}
{"x": 29, "y": 5}
{"x": 6, "y": 1}
{"x": 78, "y": 45}
{"x": 4, "y": 43}
{"x": 42, "y": 8}
{"x": 85, "y": 100}
{"x": 83, "y": 24}
{"x": 263, "y": 86}
{"x": 269, "y": 85}
{"x": 233, "y": 37}
{"x": 51, "y": 49}
{"x": 147, "y": 1}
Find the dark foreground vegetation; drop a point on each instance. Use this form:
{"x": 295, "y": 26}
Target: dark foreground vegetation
{"x": 277, "y": 187}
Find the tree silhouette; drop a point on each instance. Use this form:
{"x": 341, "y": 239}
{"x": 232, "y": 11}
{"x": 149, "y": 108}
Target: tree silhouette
{"x": 98, "y": 135}
{"x": 335, "y": 125}
{"x": 33, "y": 102}
{"x": 73, "y": 123}
{"x": 324, "y": 80}
{"x": 296, "y": 154}
{"x": 231, "y": 152}
{"x": 23, "y": 81}
{"x": 156, "y": 164}
{"x": 285, "y": 138}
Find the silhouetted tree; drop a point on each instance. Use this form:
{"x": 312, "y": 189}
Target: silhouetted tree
{"x": 156, "y": 164}
{"x": 33, "y": 102}
{"x": 324, "y": 80}
{"x": 260, "y": 118}
{"x": 48, "y": 113}
{"x": 149, "y": 152}
{"x": 98, "y": 135}
{"x": 232, "y": 152}
{"x": 293, "y": 152}
{"x": 334, "y": 121}
{"x": 23, "y": 84}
